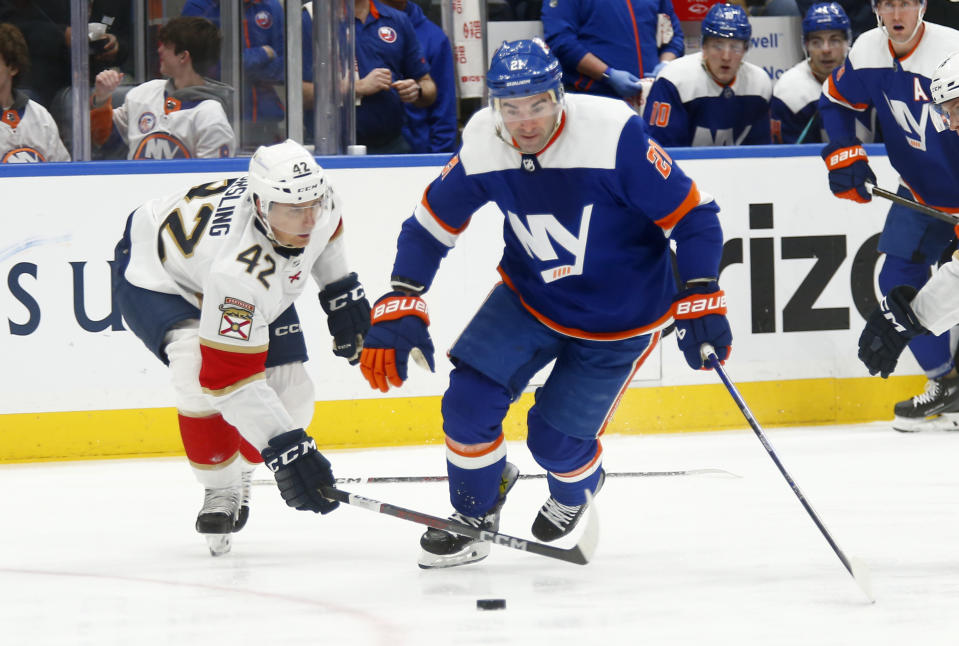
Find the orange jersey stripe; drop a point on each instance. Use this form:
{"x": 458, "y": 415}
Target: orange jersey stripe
{"x": 426, "y": 205}
{"x": 837, "y": 95}
{"x": 918, "y": 198}
{"x": 687, "y": 205}
{"x": 467, "y": 451}
{"x": 583, "y": 334}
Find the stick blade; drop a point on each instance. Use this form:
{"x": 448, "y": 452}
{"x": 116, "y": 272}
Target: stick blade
{"x": 589, "y": 539}
{"x": 863, "y": 578}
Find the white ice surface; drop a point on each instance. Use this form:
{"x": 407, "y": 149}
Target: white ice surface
{"x": 104, "y": 552}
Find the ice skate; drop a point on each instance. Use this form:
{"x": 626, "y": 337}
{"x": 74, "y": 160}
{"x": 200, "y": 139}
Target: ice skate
{"x": 930, "y": 410}
{"x": 556, "y": 520}
{"x": 446, "y": 549}
{"x": 246, "y": 480}
{"x": 218, "y": 518}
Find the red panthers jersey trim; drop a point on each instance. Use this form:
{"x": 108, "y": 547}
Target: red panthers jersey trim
{"x": 226, "y": 368}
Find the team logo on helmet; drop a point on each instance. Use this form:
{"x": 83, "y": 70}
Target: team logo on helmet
{"x": 147, "y": 122}
{"x": 386, "y": 34}
{"x": 263, "y": 19}
{"x": 237, "y": 318}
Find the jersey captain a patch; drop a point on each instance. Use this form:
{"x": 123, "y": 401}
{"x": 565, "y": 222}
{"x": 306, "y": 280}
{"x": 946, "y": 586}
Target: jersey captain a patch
{"x": 237, "y": 318}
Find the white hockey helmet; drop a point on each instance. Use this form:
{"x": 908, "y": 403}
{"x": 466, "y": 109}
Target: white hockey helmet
{"x": 945, "y": 80}
{"x": 287, "y": 174}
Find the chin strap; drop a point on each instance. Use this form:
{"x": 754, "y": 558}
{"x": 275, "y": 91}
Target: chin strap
{"x": 922, "y": 13}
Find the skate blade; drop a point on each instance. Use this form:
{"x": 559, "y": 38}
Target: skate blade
{"x": 219, "y": 544}
{"x": 943, "y": 422}
{"x": 476, "y": 552}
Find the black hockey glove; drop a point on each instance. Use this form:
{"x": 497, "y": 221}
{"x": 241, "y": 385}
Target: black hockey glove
{"x": 700, "y": 315}
{"x": 888, "y": 329}
{"x": 347, "y": 315}
{"x": 848, "y": 171}
{"x": 300, "y": 471}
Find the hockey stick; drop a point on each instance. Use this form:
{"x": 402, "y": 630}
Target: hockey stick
{"x": 856, "y": 570}
{"x": 522, "y": 476}
{"x": 580, "y": 554}
{"x": 912, "y": 204}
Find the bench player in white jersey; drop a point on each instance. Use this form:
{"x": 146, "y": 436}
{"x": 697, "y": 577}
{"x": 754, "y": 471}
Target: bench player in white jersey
{"x": 905, "y": 314}
{"x": 181, "y": 116}
{"x": 794, "y": 108}
{"x": 889, "y": 69}
{"x": 207, "y": 280}
{"x": 712, "y": 97}
{"x": 27, "y": 131}
{"x": 592, "y": 206}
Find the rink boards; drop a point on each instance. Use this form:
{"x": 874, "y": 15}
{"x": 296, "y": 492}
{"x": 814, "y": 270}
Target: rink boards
{"x": 799, "y": 270}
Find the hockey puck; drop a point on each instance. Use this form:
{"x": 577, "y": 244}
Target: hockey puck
{"x": 490, "y": 604}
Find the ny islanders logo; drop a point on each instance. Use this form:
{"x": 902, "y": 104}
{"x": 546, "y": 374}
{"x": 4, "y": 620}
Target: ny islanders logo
{"x": 161, "y": 145}
{"x": 386, "y": 34}
{"x": 237, "y": 319}
{"x": 263, "y": 19}
{"x": 537, "y": 241}
{"x": 22, "y": 155}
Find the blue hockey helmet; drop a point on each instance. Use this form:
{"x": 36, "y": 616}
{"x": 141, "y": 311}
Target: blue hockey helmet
{"x": 727, "y": 21}
{"x": 523, "y": 68}
{"x": 826, "y": 16}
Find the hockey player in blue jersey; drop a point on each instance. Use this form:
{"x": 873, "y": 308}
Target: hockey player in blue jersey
{"x": 905, "y": 314}
{"x": 712, "y": 97}
{"x": 591, "y": 205}
{"x": 889, "y": 68}
{"x": 827, "y": 35}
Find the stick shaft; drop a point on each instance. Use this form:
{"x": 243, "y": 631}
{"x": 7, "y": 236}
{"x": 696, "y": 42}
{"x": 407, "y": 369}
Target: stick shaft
{"x": 922, "y": 208}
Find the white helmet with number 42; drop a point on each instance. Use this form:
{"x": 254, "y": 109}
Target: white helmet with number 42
{"x": 287, "y": 174}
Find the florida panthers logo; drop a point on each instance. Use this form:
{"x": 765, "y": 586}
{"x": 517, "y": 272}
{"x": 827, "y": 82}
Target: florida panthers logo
{"x": 387, "y": 34}
{"x": 237, "y": 318}
{"x": 161, "y": 145}
{"x": 22, "y": 155}
{"x": 263, "y": 19}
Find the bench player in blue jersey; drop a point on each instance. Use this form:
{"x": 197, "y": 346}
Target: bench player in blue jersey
{"x": 889, "y": 69}
{"x": 591, "y": 206}
{"x": 794, "y": 108}
{"x": 712, "y": 97}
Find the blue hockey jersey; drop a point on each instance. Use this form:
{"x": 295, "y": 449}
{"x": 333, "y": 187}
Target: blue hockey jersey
{"x": 794, "y": 110}
{"x": 919, "y": 144}
{"x": 686, "y": 107}
{"x": 588, "y": 221}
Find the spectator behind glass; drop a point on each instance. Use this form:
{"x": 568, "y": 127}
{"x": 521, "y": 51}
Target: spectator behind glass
{"x": 27, "y": 131}
{"x": 45, "y": 25}
{"x": 432, "y": 129}
{"x": 113, "y": 49}
{"x": 606, "y": 46}
{"x": 263, "y": 65}
{"x": 392, "y": 71}
{"x": 182, "y": 116}
{"x": 712, "y": 97}
{"x": 794, "y": 105}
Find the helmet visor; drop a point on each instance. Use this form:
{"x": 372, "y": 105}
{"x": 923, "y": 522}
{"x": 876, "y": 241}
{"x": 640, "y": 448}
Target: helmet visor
{"x": 297, "y": 219}
{"x": 523, "y": 108}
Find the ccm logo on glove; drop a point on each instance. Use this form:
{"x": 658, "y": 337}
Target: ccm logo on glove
{"x": 698, "y": 305}
{"x": 291, "y": 454}
{"x": 341, "y": 301}
{"x": 395, "y": 307}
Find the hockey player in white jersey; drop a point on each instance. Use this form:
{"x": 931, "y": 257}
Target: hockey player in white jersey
{"x": 712, "y": 97}
{"x": 889, "y": 68}
{"x": 27, "y": 131}
{"x": 827, "y": 35}
{"x": 905, "y": 314}
{"x": 207, "y": 280}
{"x": 182, "y": 116}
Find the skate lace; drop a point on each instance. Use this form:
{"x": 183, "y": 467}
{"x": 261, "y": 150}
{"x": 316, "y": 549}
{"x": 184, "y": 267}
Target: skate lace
{"x": 221, "y": 501}
{"x": 468, "y": 520}
{"x": 557, "y": 513}
{"x": 929, "y": 394}
{"x": 246, "y": 482}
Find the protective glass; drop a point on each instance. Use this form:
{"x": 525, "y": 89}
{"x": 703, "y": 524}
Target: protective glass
{"x": 731, "y": 46}
{"x": 297, "y": 219}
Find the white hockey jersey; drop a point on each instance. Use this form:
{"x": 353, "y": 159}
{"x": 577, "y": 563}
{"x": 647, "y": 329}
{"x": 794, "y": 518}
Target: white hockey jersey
{"x": 209, "y": 247}
{"x": 29, "y": 134}
{"x": 158, "y": 122}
